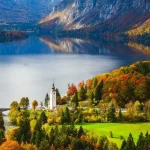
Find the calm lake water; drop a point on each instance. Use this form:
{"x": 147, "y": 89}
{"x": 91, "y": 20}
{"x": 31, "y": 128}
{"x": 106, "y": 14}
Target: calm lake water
{"x": 27, "y": 68}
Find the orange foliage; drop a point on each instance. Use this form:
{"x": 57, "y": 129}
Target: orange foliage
{"x": 71, "y": 90}
{"x": 80, "y": 84}
{"x": 89, "y": 83}
{"x": 11, "y": 145}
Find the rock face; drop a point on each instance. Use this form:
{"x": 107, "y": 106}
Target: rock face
{"x": 24, "y": 11}
{"x": 117, "y": 14}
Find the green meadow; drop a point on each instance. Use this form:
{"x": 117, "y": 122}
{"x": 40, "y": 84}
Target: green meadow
{"x": 118, "y": 129}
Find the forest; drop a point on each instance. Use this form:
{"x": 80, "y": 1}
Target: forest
{"x": 121, "y": 97}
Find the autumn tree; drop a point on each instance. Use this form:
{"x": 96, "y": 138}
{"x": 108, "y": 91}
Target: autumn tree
{"x": 27, "y": 146}
{"x": 71, "y": 90}
{"x": 11, "y": 145}
{"x": 34, "y": 104}
{"x": 24, "y": 102}
{"x": 13, "y": 113}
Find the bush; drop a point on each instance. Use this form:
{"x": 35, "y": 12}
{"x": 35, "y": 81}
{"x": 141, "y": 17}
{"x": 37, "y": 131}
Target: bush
{"x": 121, "y": 137}
{"x": 110, "y": 134}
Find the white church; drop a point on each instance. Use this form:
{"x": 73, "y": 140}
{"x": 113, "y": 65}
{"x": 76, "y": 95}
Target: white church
{"x": 52, "y": 102}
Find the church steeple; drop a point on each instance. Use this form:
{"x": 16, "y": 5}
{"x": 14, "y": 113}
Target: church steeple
{"x": 53, "y": 86}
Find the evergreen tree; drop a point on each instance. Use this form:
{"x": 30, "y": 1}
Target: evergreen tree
{"x": 75, "y": 100}
{"x": 43, "y": 118}
{"x": 62, "y": 117}
{"x": 2, "y": 122}
{"x": 80, "y": 132}
{"x": 44, "y": 145}
{"x": 123, "y": 145}
{"x": 33, "y": 137}
{"x": 38, "y": 137}
{"x": 130, "y": 143}
{"x": 67, "y": 115}
{"x": 1, "y": 136}
{"x": 111, "y": 114}
{"x": 147, "y": 141}
{"x": 94, "y": 82}
{"x": 52, "y": 136}
{"x": 82, "y": 93}
{"x": 47, "y": 100}
{"x": 98, "y": 91}
{"x": 141, "y": 142}
{"x": 92, "y": 99}
{"x": 27, "y": 103}
{"x": 120, "y": 115}
{"x": 57, "y": 93}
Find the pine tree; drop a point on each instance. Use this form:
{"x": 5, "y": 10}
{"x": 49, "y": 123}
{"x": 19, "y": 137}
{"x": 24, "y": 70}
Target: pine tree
{"x": 98, "y": 91}
{"x": 62, "y": 117}
{"x": 130, "y": 143}
{"x": 147, "y": 141}
{"x": 141, "y": 142}
{"x": 80, "y": 132}
{"x": 123, "y": 145}
{"x": 120, "y": 115}
{"x": 67, "y": 115}
{"x": 75, "y": 100}
{"x": 27, "y": 103}
{"x": 33, "y": 137}
{"x": 38, "y": 137}
{"x": 92, "y": 99}
{"x": 82, "y": 93}
{"x": 2, "y": 136}
{"x": 43, "y": 118}
{"x": 2, "y": 122}
{"x": 111, "y": 114}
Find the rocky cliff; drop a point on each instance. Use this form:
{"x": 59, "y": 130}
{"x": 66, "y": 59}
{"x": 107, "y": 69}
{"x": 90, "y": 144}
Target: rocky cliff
{"x": 93, "y": 15}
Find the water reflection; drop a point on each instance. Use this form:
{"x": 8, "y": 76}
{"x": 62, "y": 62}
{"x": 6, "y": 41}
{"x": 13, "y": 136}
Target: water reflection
{"x": 91, "y": 46}
{"x": 48, "y": 44}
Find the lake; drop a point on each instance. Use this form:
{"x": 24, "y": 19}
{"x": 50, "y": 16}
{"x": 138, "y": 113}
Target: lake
{"x": 28, "y": 68}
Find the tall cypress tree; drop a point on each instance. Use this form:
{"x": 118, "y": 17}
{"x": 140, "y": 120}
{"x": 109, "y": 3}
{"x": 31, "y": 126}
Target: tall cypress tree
{"x": 46, "y": 100}
{"x": 98, "y": 91}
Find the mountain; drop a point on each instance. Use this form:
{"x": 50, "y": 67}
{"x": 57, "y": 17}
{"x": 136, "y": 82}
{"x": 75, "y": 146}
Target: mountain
{"x": 90, "y": 16}
{"x": 24, "y": 11}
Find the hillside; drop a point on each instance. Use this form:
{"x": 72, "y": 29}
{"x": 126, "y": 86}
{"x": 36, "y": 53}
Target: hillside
{"x": 122, "y": 85}
{"x": 105, "y": 16}
{"x": 24, "y": 11}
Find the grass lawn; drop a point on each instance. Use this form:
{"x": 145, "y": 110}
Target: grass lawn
{"x": 117, "y": 129}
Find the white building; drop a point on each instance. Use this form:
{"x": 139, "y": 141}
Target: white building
{"x": 52, "y": 104}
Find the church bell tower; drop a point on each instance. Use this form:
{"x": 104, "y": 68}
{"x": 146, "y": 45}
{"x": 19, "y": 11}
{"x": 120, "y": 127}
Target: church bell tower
{"x": 52, "y": 98}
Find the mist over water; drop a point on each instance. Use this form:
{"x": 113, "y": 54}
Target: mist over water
{"x": 27, "y": 68}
